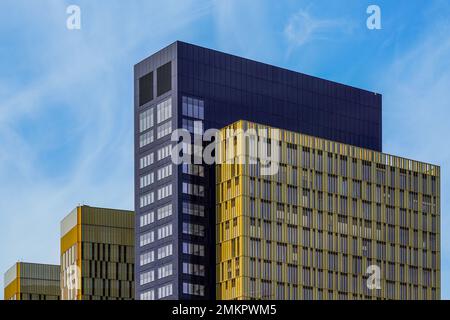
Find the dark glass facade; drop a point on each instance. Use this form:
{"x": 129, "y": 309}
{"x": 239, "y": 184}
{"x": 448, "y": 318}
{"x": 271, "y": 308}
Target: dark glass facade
{"x": 175, "y": 240}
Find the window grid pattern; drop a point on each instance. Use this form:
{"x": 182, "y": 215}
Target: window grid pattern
{"x": 320, "y": 247}
{"x": 164, "y": 110}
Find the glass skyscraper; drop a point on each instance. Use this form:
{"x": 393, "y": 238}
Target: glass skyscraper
{"x": 187, "y": 86}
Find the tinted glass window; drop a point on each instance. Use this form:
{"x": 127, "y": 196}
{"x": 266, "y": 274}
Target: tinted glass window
{"x": 145, "y": 88}
{"x": 164, "y": 81}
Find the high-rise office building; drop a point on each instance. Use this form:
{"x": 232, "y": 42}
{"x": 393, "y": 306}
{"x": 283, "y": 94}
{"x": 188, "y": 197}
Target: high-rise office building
{"x": 97, "y": 254}
{"x": 332, "y": 210}
{"x": 32, "y": 281}
{"x": 175, "y": 205}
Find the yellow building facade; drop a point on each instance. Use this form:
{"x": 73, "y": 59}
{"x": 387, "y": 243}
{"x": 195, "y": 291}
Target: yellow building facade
{"x": 97, "y": 254}
{"x": 335, "y": 222}
{"x": 32, "y": 281}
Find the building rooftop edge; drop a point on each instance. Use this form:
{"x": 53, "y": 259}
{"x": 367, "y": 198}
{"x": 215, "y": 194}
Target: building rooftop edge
{"x": 341, "y": 143}
{"x": 11, "y": 273}
{"x": 176, "y": 42}
{"x": 70, "y": 220}
{"x": 105, "y": 208}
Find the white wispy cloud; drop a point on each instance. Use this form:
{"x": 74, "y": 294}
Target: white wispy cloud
{"x": 416, "y": 112}
{"x": 304, "y": 27}
{"x": 66, "y": 119}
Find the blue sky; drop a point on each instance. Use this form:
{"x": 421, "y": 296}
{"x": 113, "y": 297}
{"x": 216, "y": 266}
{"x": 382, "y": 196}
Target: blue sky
{"x": 66, "y": 96}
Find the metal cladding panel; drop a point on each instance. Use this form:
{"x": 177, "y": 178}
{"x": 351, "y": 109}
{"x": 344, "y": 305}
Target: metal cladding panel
{"x": 39, "y": 279}
{"x": 107, "y": 217}
{"x": 10, "y": 275}
{"x": 109, "y": 226}
{"x": 107, "y": 253}
{"x": 39, "y": 271}
{"x": 152, "y": 64}
{"x": 69, "y": 222}
{"x": 326, "y": 201}
{"x": 234, "y": 88}
{"x": 33, "y": 281}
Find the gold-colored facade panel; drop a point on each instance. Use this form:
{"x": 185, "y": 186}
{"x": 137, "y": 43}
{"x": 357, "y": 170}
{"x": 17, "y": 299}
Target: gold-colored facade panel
{"x": 97, "y": 256}
{"x": 12, "y": 291}
{"x": 33, "y": 282}
{"x": 331, "y": 215}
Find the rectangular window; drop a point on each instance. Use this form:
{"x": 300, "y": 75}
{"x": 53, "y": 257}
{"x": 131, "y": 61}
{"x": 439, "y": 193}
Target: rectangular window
{"x": 147, "y": 258}
{"x": 193, "y": 249}
{"x": 165, "y": 172}
{"x": 193, "y": 289}
{"x": 193, "y": 209}
{"x": 194, "y": 269}
{"x": 165, "y": 271}
{"x": 366, "y": 171}
{"x": 164, "y": 129}
{"x": 145, "y": 88}
{"x": 165, "y": 251}
{"x": 164, "y": 212}
{"x": 164, "y": 78}
{"x": 193, "y": 126}
{"x": 164, "y": 192}
{"x": 147, "y": 238}
{"x": 146, "y": 120}
{"x": 146, "y": 180}
{"x": 194, "y": 229}
{"x": 145, "y": 161}
{"x": 148, "y": 295}
{"x": 165, "y": 291}
{"x": 164, "y": 231}
{"x": 188, "y": 148}
{"x": 147, "y": 277}
{"x": 147, "y": 218}
{"x": 164, "y": 110}
{"x": 147, "y": 199}
{"x": 164, "y": 152}
{"x": 193, "y": 189}
{"x": 193, "y": 108}
{"x": 146, "y": 138}
{"x": 193, "y": 169}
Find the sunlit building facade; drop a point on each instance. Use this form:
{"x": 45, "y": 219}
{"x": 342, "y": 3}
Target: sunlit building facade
{"x": 32, "y": 281}
{"x": 195, "y": 88}
{"x": 97, "y": 254}
{"x": 332, "y": 211}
